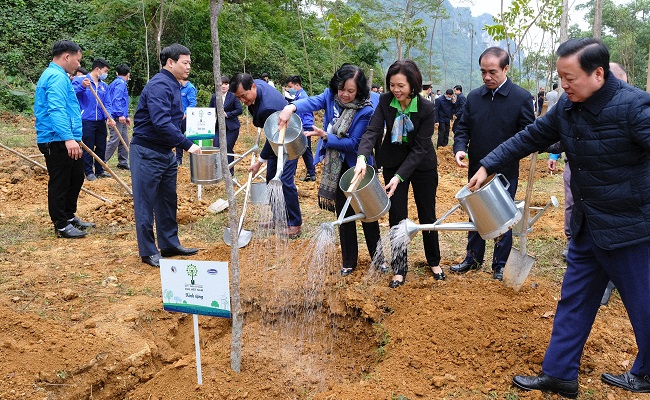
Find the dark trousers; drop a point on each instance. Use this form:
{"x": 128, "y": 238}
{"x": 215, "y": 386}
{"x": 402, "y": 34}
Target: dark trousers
{"x": 425, "y": 184}
{"x": 348, "y": 231}
{"x": 94, "y": 136}
{"x": 308, "y": 158}
{"x": 66, "y": 179}
{"x": 114, "y": 142}
{"x": 589, "y": 268}
{"x": 443, "y": 133}
{"x": 502, "y": 244}
{"x": 231, "y": 139}
{"x": 153, "y": 175}
{"x": 294, "y": 216}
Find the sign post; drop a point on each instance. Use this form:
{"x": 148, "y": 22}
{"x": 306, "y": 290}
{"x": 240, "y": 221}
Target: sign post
{"x": 197, "y": 288}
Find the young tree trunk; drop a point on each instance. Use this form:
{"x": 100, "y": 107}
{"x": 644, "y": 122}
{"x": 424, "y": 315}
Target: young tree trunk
{"x": 235, "y": 294}
{"x": 159, "y": 31}
{"x": 146, "y": 39}
{"x": 598, "y": 19}
{"x": 647, "y": 83}
{"x": 304, "y": 48}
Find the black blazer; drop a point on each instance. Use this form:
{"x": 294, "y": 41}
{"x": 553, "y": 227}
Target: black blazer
{"x": 233, "y": 109}
{"x": 417, "y": 154}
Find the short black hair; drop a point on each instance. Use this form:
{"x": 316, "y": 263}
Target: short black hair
{"x": 100, "y": 63}
{"x": 349, "y": 71}
{"x": 224, "y": 79}
{"x": 459, "y": 88}
{"x": 65, "y": 46}
{"x": 409, "y": 69}
{"x": 449, "y": 92}
{"x": 265, "y": 75}
{"x": 554, "y": 86}
{"x": 82, "y": 70}
{"x": 245, "y": 80}
{"x": 173, "y": 51}
{"x": 295, "y": 79}
{"x": 592, "y": 53}
{"x": 504, "y": 58}
{"x": 123, "y": 69}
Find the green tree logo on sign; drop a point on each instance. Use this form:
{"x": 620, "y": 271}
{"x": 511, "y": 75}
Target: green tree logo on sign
{"x": 192, "y": 271}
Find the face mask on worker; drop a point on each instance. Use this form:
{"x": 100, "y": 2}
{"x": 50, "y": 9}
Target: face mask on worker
{"x": 291, "y": 91}
{"x": 103, "y": 76}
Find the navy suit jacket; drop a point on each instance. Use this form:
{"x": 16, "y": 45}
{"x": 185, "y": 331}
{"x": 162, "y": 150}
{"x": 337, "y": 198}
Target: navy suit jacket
{"x": 233, "y": 110}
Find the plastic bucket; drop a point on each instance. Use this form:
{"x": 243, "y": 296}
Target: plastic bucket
{"x": 490, "y": 208}
{"x": 295, "y": 141}
{"x": 370, "y": 198}
{"x": 205, "y": 168}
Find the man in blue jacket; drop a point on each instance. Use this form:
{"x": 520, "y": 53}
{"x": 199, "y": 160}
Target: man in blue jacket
{"x": 493, "y": 114}
{"x": 263, "y": 100}
{"x": 118, "y": 107}
{"x": 93, "y": 118}
{"x": 294, "y": 84}
{"x": 188, "y": 99}
{"x": 156, "y": 132}
{"x": 604, "y": 127}
{"x": 58, "y": 131}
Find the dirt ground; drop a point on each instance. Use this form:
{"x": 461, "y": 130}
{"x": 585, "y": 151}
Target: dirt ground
{"x": 83, "y": 319}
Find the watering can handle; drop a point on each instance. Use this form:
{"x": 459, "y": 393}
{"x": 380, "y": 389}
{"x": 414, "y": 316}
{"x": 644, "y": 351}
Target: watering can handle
{"x": 283, "y": 132}
{"x": 504, "y": 180}
{"x": 354, "y": 183}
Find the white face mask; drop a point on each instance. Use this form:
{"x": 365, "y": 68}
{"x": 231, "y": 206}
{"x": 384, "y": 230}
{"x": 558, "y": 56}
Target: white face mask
{"x": 103, "y": 76}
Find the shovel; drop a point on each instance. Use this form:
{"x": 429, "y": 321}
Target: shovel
{"x": 222, "y": 204}
{"x": 519, "y": 262}
{"x": 244, "y": 235}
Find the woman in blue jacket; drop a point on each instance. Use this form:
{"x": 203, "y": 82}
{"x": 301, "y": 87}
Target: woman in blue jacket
{"x": 347, "y": 113}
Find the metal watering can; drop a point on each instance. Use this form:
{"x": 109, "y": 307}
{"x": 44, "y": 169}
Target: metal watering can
{"x": 288, "y": 143}
{"x": 366, "y": 195}
{"x": 490, "y": 208}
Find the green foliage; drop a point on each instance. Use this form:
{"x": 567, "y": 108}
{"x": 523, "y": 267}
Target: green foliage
{"x": 16, "y": 93}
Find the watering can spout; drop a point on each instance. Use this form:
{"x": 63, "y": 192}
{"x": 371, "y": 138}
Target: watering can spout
{"x": 412, "y": 228}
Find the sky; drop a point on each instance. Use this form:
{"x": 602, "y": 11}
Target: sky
{"x": 493, "y": 7}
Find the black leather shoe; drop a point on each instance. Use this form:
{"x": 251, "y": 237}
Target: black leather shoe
{"x": 70, "y": 232}
{"x": 79, "y": 224}
{"x": 547, "y": 383}
{"x": 607, "y": 294}
{"x": 439, "y": 277}
{"x": 346, "y": 271}
{"x": 497, "y": 272}
{"x": 153, "y": 260}
{"x": 628, "y": 381}
{"x": 464, "y": 267}
{"x": 178, "y": 251}
{"x": 104, "y": 175}
{"x": 124, "y": 167}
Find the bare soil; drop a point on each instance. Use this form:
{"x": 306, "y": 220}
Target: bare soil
{"x": 83, "y": 319}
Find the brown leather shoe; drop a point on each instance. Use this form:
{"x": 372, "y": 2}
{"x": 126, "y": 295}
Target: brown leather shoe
{"x": 293, "y": 232}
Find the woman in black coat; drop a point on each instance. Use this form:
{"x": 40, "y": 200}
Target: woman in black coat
{"x": 408, "y": 158}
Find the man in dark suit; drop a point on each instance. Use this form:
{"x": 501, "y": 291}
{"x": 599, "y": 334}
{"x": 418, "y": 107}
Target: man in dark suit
{"x": 156, "y": 132}
{"x": 493, "y": 114}
{"x": 232, "y": 108}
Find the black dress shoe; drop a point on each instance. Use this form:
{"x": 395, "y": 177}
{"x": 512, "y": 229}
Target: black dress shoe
{"x": 70, "y": 232}
{"x": 497, "y": 272}
{"x": 547, "y": 383}
{"x": 346, "y": 271}
{"x": 628, "y": 381}
{"x": 79, "y": 224}
{"x": 124, "y": 167}
{"x": 439, "y": 277}
{"x": 153, "y": 260}
{"x": 104, "y": 175}
{"x": 464, "y": 267}
{"x": 178, "y": 251}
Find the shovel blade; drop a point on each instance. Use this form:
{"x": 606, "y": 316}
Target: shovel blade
{"x": 244, "y": 238}
{"x": 517, "y": 269}
{"x": 218, "y": 206}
